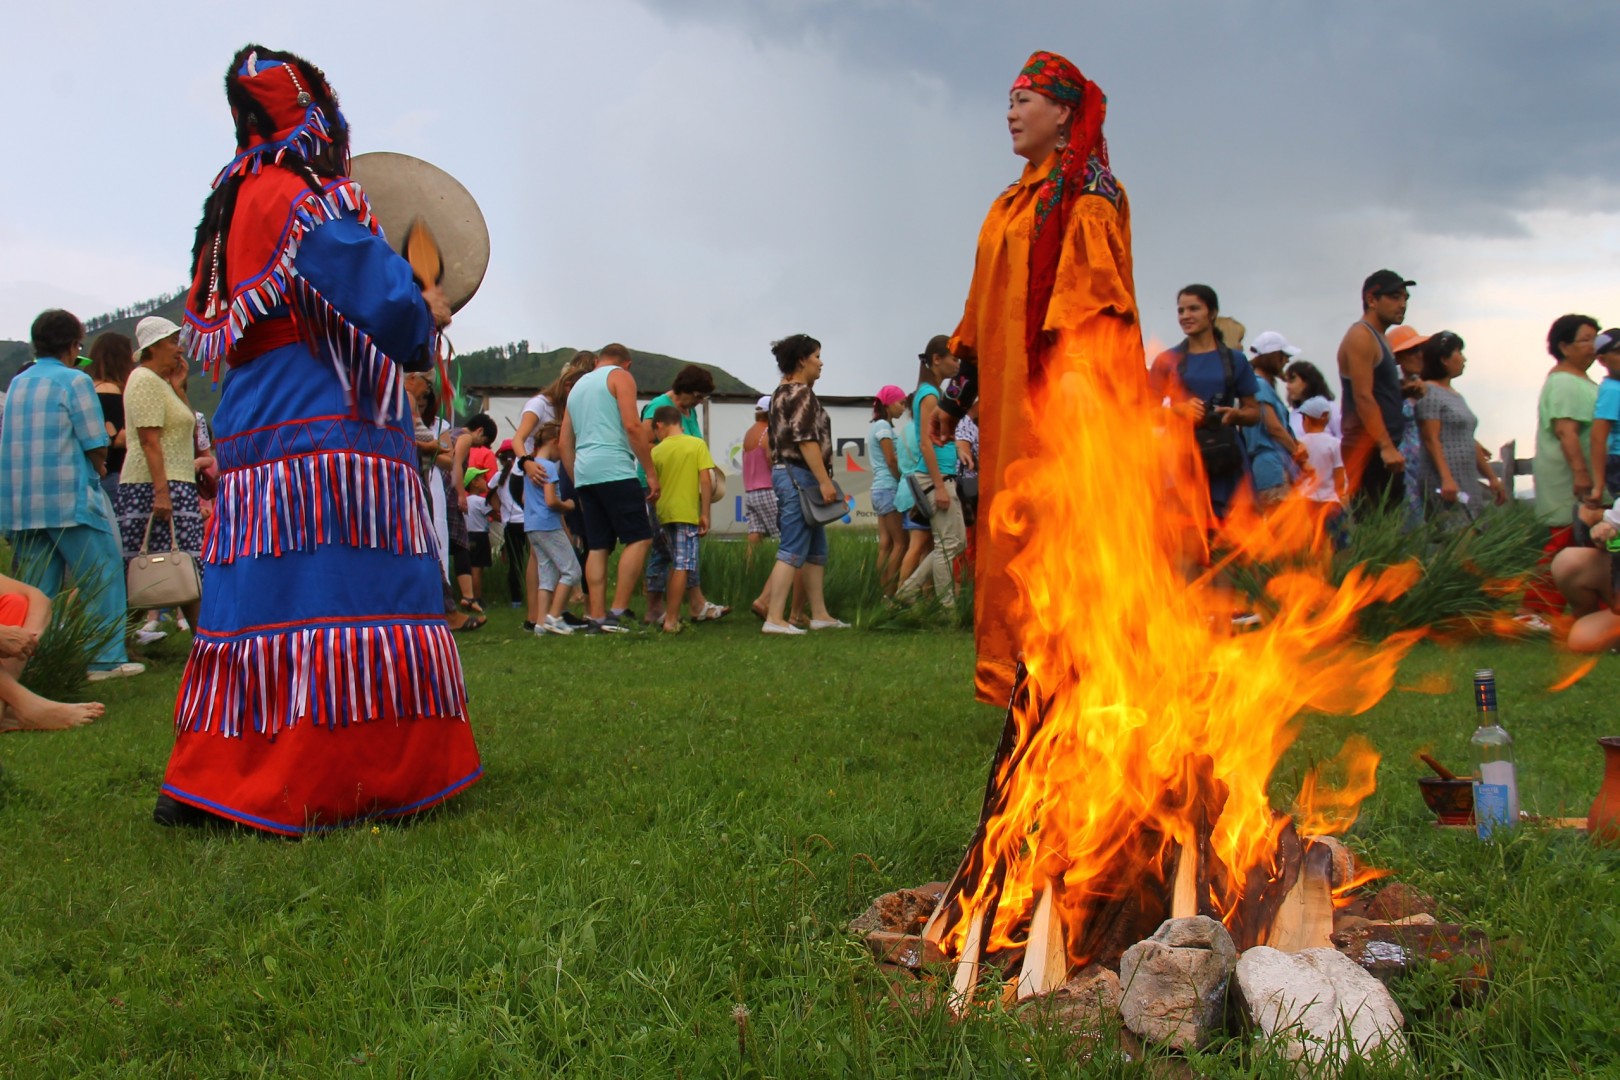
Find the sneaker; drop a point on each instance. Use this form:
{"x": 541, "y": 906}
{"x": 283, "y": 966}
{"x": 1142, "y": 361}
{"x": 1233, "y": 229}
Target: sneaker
{"x": 576, "y": 621}
{"x": 554, "y": 625}
{"x": 150, "y": 626}
{"x": 515, "y": 604}
{"x": 117, "y": 671}
{"x": 779, "y": 628}
{"x": 828, "y": 624}
{"x": 1534, "y": 624}
{"x": 144, "y": 636}
{"x": 530, "y": 628}
{"x": 609, "y": 625}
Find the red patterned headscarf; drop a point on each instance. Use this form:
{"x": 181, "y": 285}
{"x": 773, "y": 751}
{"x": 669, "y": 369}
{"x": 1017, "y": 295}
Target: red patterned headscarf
{"x": 1083, "y": 149}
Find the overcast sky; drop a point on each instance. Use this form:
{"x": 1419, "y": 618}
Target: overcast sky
{"x": 702, "y": 176}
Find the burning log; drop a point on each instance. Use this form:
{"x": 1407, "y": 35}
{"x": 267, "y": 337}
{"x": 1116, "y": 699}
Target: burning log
{"x": 1305, "y": 917}
{"x": 1046, "y": 960}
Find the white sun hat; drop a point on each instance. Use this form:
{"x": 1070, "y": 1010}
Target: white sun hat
{"x": 151, "y": 330}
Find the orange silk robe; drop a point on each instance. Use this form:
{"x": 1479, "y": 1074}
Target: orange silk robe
{"x": 1094, "y": 305}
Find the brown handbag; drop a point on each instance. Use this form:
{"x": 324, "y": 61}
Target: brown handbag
{"x": 164, "y": 578}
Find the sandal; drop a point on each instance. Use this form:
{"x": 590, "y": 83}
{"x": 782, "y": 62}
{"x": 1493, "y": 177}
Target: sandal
{"x": 469, "y": 604}
{"x": 712, "y": 611}
{"x": 472, "y": 622}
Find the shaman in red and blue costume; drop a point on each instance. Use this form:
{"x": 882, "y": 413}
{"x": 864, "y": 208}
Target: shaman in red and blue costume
{"x": 323, "y": 685}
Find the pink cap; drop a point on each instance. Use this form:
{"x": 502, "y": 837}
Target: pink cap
{"x": 891, "y": 394}
{"x": 505, "y": 447}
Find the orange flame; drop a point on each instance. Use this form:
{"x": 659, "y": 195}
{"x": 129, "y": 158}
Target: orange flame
{"x": 1151, "y": 727}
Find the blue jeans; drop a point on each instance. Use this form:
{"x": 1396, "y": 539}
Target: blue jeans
{"x": 802, "y": 541}
{"x": 92, "y": 558}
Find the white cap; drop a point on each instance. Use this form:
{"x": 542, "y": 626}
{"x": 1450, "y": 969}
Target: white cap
{"x": 1269, "y": 342}
{"x": 1318, "y": 408}
{"x": 763, "y": 404}
{"x": 151, "y": 330}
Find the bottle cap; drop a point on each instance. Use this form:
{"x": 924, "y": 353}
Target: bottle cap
{"x": 1485, "y": 690}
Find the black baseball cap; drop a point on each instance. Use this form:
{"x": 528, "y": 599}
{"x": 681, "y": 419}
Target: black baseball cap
{"x": 1385, "y": 281}
{"x": 1607, "y": 342}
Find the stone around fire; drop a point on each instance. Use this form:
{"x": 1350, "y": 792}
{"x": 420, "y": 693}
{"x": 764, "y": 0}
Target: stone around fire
{"x": 1175, "y": 982}
{"x": 1089, "y": 1001}
{"x": 1319, "y": 1006}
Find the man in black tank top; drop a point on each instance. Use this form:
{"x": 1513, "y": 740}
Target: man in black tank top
{"x": 1372, "y": 420}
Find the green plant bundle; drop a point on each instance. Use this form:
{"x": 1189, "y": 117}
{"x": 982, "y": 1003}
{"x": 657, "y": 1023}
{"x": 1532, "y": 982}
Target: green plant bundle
{"x": 1468, "y": 574}
{"x": 57, "y": 668}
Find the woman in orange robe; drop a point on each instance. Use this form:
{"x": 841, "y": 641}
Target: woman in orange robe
{"x": 1054, "y": 260}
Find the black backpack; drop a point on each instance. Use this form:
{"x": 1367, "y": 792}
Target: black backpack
{"x": 1220, "y": 445}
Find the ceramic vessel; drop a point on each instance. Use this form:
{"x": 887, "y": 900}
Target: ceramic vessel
{"x": 1603, "y": 820}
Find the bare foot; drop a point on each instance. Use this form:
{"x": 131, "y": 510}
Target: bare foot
{"x": 43, "y": 715}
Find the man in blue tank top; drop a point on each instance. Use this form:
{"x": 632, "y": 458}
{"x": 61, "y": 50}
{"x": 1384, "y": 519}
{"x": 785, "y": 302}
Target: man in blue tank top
{"x": 602, "y": 442}
{"x": 1373, "y": 422}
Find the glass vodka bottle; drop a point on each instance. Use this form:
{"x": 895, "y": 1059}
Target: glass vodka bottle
{"x": 1496, "y": 791}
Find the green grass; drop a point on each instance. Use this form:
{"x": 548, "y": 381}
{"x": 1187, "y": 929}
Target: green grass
{"x": 671, "y": 828}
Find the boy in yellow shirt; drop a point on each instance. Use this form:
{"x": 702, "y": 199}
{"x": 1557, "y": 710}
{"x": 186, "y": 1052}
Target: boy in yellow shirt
{"x": 685, "y": 485}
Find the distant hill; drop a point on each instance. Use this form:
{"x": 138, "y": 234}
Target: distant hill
{"x": 502, "y": 365}
{"x": 516, "y": 367}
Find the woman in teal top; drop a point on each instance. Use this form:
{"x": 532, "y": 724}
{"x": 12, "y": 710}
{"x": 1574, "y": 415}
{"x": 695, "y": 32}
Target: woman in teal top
{"x": 938, "y": 478}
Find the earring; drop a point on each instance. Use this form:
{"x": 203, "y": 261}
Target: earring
{"x": 1063, "y": 141}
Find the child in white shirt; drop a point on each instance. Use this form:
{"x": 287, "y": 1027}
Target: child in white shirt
{"x": 1324, "y": 481}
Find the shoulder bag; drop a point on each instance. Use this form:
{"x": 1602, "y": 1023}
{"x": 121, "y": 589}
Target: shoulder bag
{"x": 922, "y": 503}
{"x": 162, "y": 579}
{"x": 814, "y": 510}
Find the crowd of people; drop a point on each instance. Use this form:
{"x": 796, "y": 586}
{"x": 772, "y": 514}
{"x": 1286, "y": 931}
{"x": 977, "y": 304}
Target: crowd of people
{"x": 346, "y": 525}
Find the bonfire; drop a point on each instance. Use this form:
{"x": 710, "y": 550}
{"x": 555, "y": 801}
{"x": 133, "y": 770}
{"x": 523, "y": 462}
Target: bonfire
{"x": 1131, "y": 784}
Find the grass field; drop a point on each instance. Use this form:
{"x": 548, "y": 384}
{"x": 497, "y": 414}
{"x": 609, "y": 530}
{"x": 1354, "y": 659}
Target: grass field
{"x": 671, "y": 829}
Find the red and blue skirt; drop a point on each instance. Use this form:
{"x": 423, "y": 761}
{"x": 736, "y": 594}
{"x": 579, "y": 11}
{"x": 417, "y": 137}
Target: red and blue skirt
{"x": 323, "y": 686}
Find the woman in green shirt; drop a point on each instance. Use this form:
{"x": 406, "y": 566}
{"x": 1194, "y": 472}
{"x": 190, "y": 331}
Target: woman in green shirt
{"x": 1563, "y": 475}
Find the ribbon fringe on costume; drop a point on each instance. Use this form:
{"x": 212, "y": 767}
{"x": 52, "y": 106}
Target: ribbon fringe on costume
{"x": 331, "y": 677}
{"x": 306, "y": 140}
{"x": 323, "y": 498}
{"x": 372, "y": 382}
{"x": 358, "y": 361}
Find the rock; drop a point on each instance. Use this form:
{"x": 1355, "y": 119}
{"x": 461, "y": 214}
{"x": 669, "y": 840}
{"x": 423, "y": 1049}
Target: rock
{"x": 1386, "y": 950}
{"x": 906, "y": 950}
{"x": 1174, "y": 983}
{"x": 1344, "y": 863}
{"x": 1410, "y": 920}
{"x": 1319, "y": 1006}
{"x": 1343, "y": 922}
{"x": 1399, "y": 900}
{"x": 1089, "y": 1001}
{"x": 903, "y": 911}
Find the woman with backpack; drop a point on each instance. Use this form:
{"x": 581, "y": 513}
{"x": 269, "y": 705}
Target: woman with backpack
{"x": 1212, "y": 387}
